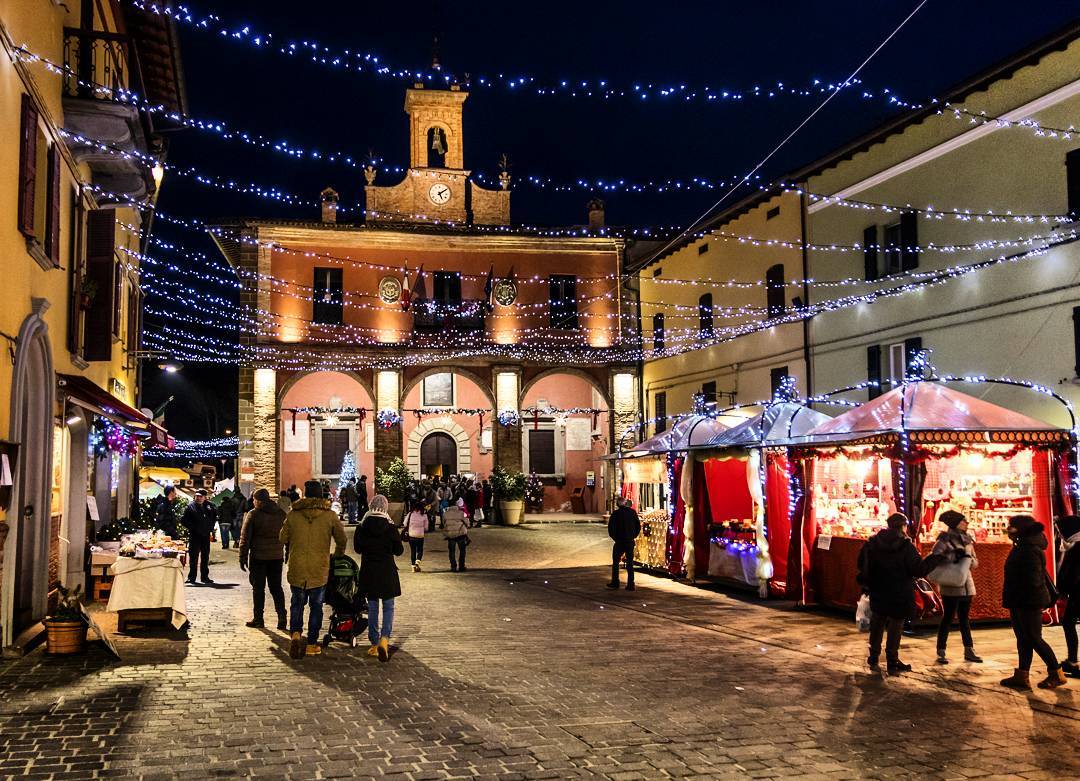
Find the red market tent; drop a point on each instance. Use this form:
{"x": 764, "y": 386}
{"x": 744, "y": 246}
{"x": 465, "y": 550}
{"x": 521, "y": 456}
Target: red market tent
{"x": 920, "y": 449}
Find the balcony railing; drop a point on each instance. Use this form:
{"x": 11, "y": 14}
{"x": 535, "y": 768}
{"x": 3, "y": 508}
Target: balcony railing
{"x": 430, "y": 315}
{"x": 100, "y": 65}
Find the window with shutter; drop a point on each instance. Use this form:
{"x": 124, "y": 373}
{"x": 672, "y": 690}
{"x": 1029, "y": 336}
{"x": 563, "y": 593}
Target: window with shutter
{"x": 77, "y": 276}
{"x": 871, "y": 267}
{"x": 1072, "y": 183}
{"x": 28, "y": 136}
{"x": 101, "y": 282}
{"x": 708, "y": 392}
{"x": 777, "y": 377}
{"x": 328, "y": 298}
{"x": 563, "y": 301}
{"x": 133, "y": 317}
{"x": 909, "y": 241}
{"x": 660, "y": 411}
{"x": 542, "y": 451}
{"x": 873, "y": 371}
{"x": 893, "y": 241}
{"x": 775, "y": 293}
{"x": 705, "y": 316}
{"x": 658, "y": 332}
{"x": 52, "y": 217}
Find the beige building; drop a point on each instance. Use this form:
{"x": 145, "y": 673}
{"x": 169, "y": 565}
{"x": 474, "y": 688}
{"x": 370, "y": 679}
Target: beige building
{"x": 875, "y": 215}
{"x": 71, "y": 287}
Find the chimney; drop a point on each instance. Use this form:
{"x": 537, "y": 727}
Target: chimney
{"x": 329, "y": 200}
{"x": 596, "y": 214}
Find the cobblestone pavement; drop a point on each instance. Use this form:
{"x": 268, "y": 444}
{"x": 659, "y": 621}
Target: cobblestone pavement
{"x": 525, "y": 667}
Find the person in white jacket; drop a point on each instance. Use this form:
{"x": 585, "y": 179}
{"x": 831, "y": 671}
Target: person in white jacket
{"x": 456, "y": 530}
{"x": 415, "y": 526}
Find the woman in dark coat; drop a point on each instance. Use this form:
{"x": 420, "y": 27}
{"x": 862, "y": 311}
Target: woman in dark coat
{"x": 361, "y": 497}
{"x": 1068, "y": 584}
{"x": 1026, "y": 596}
{"x": 378, "y": 542}
{"x": 888, "y": 566}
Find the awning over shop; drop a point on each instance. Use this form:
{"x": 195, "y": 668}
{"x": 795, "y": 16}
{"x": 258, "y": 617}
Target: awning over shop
{"x": 82, "y": 391}
{"x": 930, "y": 412}
{"x": 783, "y": 421}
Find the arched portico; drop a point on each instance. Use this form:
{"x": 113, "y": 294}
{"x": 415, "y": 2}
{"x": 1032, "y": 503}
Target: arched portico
{"x": 430, "y": 426}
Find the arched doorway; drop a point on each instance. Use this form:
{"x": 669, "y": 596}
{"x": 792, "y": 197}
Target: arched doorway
{"x": 438, "y": 455}
{"x": 27, "y": 554}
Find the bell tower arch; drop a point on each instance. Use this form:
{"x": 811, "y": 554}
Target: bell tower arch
{"x": 435, "y": 126}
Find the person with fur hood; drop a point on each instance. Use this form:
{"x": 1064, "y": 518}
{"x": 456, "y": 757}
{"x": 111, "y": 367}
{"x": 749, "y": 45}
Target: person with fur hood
{"x": 888, "y": 566}
{"x": 957, "y": 548}
{"x": 308, "y": 531}
{"x": 1026, "y": 595}
{"x": 1068, "y": 585}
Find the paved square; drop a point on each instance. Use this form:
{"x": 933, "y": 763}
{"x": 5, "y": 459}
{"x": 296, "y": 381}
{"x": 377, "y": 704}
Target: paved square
{"x": 526, "y": 667}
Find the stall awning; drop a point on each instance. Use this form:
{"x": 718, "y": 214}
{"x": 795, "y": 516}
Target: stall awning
{"x": 80, "y": 389}
{"x": 688, "y": 432}
{"x": 931, "y": 412}
{"x": 778, "y": 422}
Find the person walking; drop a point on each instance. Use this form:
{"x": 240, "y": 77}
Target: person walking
{"x": 958, "y": 550}
{"x": 623, "y": 529}
{"x": 456, "y": 531}
{"x": 261, "y": 556}
{"x": 489, "y": 502}
{"x": 415, "y": 526}
{"x": 888, "y": 566}
{"x": 307, "y": 532}
{"x": 472, "y": 499}
{"x": 199, "y": 519}
{"x": 1068, "y": 585}
{"x": 165, "y": 511}
{"x": 348, "y": 496}
{"x": 1026, "y": 595}
{"x": 361, "y": 497}
{"x": 294, "y": 495}
{"x": 284, "y": 501}
{"x": 378, "y": 543}
{"x": 230, "y": 516}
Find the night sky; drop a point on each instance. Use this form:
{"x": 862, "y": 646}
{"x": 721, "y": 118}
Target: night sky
{"x": 564, "y": 138}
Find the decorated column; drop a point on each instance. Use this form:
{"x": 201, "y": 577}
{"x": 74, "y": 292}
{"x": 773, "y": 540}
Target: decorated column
{"x": 507, "y": 424}
{"x": 388, "y": 438}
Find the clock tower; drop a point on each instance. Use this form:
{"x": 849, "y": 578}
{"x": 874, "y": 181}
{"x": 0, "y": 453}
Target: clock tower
{"x": 436, "y": 187}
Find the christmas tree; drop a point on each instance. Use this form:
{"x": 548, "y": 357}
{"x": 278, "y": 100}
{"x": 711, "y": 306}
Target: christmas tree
{"x": 348, "y": 469}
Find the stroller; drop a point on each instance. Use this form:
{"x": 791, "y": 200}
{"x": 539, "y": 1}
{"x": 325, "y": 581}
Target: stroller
{"x": 347, "y": 603}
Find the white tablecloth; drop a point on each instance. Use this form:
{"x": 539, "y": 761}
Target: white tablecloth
{"x": 142, "y": 584}
{"x": 741, "y": 565}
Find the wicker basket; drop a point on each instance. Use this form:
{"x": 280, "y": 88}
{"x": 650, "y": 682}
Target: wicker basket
{"x": 65, "y": 637}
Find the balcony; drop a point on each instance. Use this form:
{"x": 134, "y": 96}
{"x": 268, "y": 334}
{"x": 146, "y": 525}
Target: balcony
{"x": 432, "y": 316}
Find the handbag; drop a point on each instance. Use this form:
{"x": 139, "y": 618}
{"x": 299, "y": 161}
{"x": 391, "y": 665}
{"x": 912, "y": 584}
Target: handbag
{"x": 953, "y": 575}
{"x": 478, "y": 514}
{"x": 863, "y": 613}
{"x": 1051, "y": 589}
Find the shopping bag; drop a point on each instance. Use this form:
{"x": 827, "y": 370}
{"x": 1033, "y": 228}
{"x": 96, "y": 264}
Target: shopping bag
{"x": 478, "y": 514}
{"x": 952, "y": 575}
{"x": 862, "y": 613}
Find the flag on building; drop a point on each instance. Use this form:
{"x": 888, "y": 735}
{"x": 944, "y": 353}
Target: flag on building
{"x": 489, "y": 289}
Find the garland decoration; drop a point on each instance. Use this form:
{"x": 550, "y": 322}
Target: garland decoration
{"x": 509, "y": 417}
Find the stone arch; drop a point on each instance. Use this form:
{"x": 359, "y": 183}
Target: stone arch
{"x": 443, "y": 425}
{"x": 592, "y": 381}
{"x": 474, "y": 378}
{"x": 26, "y": 555}
{"x": 286, "y": 386}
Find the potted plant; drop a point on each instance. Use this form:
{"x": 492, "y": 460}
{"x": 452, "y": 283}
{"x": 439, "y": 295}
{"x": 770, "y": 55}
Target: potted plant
{"x": 392, "y": 483}
{"x": 87, "y": 291}
{"x": 510, "y": 491}
{"x": 65, "y": 627}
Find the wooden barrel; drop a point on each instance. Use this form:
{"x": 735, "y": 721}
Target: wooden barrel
{"x": 65, "y": 637}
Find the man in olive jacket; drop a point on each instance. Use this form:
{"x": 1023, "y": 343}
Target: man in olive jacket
{"x": 308, "y": 532}
{"x": 261, "y": 555}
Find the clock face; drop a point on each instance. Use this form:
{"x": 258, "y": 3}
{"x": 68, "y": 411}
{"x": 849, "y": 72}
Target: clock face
{"x": 390, "y": 289}
{"x": 438, "y": 194}
{"x": 505, "y": 292}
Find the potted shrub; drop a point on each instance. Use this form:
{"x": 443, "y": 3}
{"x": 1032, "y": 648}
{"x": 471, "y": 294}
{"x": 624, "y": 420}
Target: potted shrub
{"x": 65, "y": 627}
{"x": 392, "y": 483}
{"x": 510, "y": 491}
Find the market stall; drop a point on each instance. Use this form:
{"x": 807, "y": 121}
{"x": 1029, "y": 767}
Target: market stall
{"x": 148, "y": 580}
{"x": 741, "y": 487}
{"x": 652, "y": 477}
{"x": 920, "y": 449}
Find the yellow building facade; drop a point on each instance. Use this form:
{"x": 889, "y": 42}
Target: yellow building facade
{"x": 69, "y": 259}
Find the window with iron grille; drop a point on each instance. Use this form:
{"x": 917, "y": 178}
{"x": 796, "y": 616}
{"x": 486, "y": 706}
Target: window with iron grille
{"x": 563, "y": 298}
{"x": 327, "y": 297}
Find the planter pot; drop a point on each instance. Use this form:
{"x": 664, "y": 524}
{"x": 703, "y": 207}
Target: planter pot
{"x": 512, "y": 512}
{"x": 397, "y": 511}
{"x": 65, "y": 637}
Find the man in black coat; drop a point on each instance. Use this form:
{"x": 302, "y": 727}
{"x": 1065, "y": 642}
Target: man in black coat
{"x": 165, "y": 512}
{"x": 623, "y": 528}
{"x": 199, "y": 519}
{"x": 888, "y": 566}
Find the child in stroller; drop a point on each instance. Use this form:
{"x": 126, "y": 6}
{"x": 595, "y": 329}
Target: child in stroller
{"x": 347, "y": 603}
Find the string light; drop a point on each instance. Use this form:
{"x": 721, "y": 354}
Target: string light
{"x": 366, "y": 62}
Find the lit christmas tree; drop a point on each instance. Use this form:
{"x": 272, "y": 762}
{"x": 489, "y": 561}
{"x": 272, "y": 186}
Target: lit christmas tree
{"x": 348, "y": 469}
